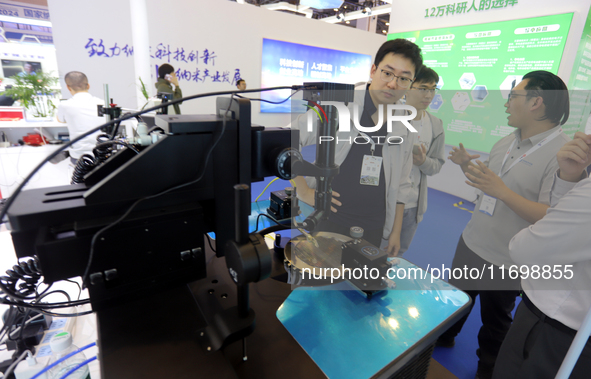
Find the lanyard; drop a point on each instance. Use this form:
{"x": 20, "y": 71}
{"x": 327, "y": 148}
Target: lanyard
{"x": 530, "y": 151}
{"x": 370, "y": 140}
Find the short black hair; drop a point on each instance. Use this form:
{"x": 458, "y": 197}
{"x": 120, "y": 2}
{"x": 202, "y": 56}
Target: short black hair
{"x": 426, "y": 75}
{"x": 554, "y": 93}
{"x": 164, "y": 70}
{"x": 77, "y": 80}
{"x": 239, "y": 81}
{"x": 403, "y": 47}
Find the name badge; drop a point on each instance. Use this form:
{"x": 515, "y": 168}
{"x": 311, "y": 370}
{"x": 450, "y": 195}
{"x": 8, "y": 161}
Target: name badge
{"x": 487, "y": 206}
{"x": 370, "y": 170}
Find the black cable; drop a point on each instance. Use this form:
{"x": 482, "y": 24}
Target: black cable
{"x": 79, "y": 287}
{"x": 46, "y": 306}
{"x": 21, "y": 333}
{"x": 67, "y": 314}
{"x": 203, "y": 169}
{"x": 10, "y": 321}
{"x": 10, "y": 293}
{"x": 268, "y": 101}
{"x": 267, "y": 216}
{"x": 10, "y": 200}
{"x": 55, "y": 291}
{"x": 272, "y": 229}
{"x": 28, "y": 274}
{"x": 63, "y": 304}
{"x": 129, "y": 146}
{"x": 209, "y": 242}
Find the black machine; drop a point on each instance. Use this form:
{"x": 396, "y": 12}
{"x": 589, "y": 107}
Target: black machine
{"x": 134, "y": 229}
{"x": 160, "y": 243}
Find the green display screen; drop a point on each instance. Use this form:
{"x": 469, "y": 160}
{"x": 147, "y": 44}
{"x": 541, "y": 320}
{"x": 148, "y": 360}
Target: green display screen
{"x": 580, "y": 83}
{"x": 479, "y": 64}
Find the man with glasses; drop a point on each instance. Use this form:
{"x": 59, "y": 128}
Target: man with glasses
{"x": 516, "y": 182}
{"x": 428, "y": 153}
{"x": 370, "y": 204}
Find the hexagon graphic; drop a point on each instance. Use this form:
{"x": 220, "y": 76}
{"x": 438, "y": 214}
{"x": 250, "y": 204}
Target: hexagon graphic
{"x": 467, "y": 80}
{"x": 460, "y": 101}
{"x": 509, "y": 82}
{"x": 436, "y": 103}
{"x": 479, "y": 93}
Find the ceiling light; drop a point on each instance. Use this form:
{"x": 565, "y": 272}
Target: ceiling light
{"x": 383, "y": 31}
{"x": 355, "y": 15}
{"x": 336, "y": 10}
{"x": 387, "y": 23}
{"x": 347, "y": 22}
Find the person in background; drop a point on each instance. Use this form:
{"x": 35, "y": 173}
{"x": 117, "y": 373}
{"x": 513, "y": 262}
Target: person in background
{"x": 80, "y": 113}
{"x": 166, "y": 78}
{"x": 515, "y": 185}
{"x": 28, "y": 70}
{"x": 428, "y": 153}
{"x": 241, "y": 84}
{"x": 556, "y": 302}
{"x": 5, "y": 100}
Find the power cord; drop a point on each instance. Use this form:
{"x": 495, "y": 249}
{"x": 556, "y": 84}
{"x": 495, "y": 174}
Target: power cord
{"x": 267, "y": 216}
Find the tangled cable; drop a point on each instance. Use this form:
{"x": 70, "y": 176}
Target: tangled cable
{"x": 104, "y": 149}
{"x": 23, "y": 278}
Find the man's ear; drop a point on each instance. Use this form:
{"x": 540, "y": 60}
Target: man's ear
{"x": 374, "y": 68}
{"x": 538, "y": 102}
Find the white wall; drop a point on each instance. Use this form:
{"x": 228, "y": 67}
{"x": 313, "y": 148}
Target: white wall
{"x": 233, "y": 31}
{"x": 410, "y": 16}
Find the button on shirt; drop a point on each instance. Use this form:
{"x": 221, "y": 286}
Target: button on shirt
{"x": 532, "y": 178}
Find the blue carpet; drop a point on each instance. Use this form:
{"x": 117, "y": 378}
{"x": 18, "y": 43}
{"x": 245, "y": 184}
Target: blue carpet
{"x": 434, "y": 244}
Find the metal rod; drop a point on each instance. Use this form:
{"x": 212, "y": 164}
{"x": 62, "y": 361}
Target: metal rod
{"x": 243, "y": 300}
{"x": 107, "y": 101}
{"x": 242, "y": 203}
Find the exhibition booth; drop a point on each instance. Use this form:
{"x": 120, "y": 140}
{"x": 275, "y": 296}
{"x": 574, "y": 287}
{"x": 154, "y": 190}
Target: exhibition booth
{"x": 187, "y": 272}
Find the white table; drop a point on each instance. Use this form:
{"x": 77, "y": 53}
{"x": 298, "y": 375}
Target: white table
{"x": 17, "y": 162}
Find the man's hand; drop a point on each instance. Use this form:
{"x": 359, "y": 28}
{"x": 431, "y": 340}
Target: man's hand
{"x": 308, "y": 196}
{"x": 574, "y": 156}
{"x": 461, "y": 157}
{"x": 174, "y": 80}
{"x": 419, "y": 159}
{"x": 486, "y": 180}
{"x": 393, "y": 244}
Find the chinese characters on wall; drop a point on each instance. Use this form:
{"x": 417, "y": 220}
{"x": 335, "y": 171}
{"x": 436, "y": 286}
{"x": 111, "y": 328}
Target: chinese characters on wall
{"x": 459, "y": 8}
{"x": 194, "y": 65}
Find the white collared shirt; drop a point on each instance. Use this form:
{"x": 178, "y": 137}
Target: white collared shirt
{"x": 562, "y": 238}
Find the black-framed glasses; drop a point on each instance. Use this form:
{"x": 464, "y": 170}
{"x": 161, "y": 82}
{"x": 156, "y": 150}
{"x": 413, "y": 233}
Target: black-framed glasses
{"x": 511, "y": 94}
{"x": 425, "y": 91}
{"x": 388, "y": 76}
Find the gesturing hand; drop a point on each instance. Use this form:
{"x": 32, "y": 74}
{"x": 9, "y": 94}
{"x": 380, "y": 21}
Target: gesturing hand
{"x": 460, "y": 155}
{"x": 486, "y": 180}
{"x": 419, "y": 159}
{"x": 574, "y": 156}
